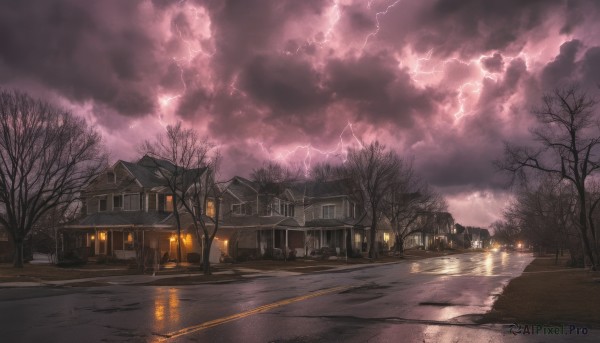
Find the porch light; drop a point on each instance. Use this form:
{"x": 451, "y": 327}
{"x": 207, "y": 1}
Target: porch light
{"x": 93, "y": 237}
{"x": 129, "y": 237}
{"x": 173, "y": 238}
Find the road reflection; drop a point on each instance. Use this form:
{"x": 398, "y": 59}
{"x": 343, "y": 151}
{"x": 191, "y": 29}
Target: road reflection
{"x": 166, "y": 308}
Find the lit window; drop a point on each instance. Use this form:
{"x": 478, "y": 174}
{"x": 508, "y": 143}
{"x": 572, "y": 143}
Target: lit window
{"x": 102, "y": 236}
{"x": 328, "y": 211}
{"x": 210, "y": 208}
{"x": 169, "y": 203}
{"x": 386, "y": 237}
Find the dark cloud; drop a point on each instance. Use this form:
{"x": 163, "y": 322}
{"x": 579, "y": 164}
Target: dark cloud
{"x": 381, "y": 91}
{"x": 286, "y": 84}
{"x": 86, "y": 51}
{"x": 564, "y": 66}
{"x": 468, "y": 27}
{"x": 446, "y": 81}
{"x": 493, "y": 64}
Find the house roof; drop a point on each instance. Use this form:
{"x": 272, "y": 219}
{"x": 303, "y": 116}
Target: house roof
{"x": 353, "y": 222}
{"x": 144, "y": 175}
{"x": 153, "y": 163}
{"x": 321, "y": 189}
{"x": 125, "y": 218}
{"x": 271, "y": 221}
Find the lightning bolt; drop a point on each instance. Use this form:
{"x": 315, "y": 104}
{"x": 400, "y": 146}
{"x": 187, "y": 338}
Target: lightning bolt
{"x": 334, "y": 15}
{"x": 473, "y": 87}
{"x": 308, "y": 150}
{"x": 377, "y": 26}
{"x": 192, "y": 50}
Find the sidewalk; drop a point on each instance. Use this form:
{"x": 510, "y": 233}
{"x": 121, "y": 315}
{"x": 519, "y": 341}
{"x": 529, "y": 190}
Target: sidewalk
{"x": 148, "y": 279}
{"x": 189, "y": 274}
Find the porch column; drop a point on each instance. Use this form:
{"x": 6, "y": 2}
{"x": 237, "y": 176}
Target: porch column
{"x": 96, "y": 243}
{"x": 286, "y": 238}
{"x": 321, "y": 241}
{"x": 112, "y": 243}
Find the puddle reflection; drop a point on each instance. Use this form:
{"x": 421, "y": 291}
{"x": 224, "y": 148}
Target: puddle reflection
{"x": 166, "y": 308}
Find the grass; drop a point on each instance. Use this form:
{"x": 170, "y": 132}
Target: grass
{"x": 37, "y": 273}
{"x": 549, "y": 294}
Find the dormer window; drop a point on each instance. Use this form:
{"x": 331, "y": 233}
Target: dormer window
{"x": 110, "y": 177}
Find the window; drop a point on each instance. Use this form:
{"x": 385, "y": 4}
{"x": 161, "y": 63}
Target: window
{"x": 210, "y": 208}
{"x": 386, "y": 237}
{"x": 102, "y": 203}
{"x": 131, "y": 202}
{"x": 328, "y": 211}
{"x": 169, "y": 203}
{"x": 241, "y": 209}
{"x": 352, "y": 210}
{"x": 291, "y": 210}
{"x": 117, "y": 201}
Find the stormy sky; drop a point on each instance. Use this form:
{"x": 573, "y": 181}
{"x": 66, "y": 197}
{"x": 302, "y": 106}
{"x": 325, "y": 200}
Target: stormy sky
{"x": 444, "y": 82}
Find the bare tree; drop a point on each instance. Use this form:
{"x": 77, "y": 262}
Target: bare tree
{"x": 203, "y": 198}
{"x": 187, "y": 156}
{"x": 545, "y": 215}
{"x": 372, "y": 172}
{"x": 407, "y": 203}
{"x": 46, "y": 157}
{"x": 569, "y": 138}
{"x": 272, "y": 180}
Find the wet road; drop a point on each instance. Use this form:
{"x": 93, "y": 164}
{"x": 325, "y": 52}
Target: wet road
{"x": 431, "y": 300}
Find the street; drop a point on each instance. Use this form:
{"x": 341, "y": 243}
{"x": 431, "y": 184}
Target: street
{"x": 430, "y": 300}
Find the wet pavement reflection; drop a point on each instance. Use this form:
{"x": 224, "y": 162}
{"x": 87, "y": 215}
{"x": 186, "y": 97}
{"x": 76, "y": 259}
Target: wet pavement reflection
{"x": 431, "y": 300}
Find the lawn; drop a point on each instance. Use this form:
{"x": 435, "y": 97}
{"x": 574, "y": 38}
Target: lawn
{"x": 44, "y": 272}
{"x": 549, "y": 294}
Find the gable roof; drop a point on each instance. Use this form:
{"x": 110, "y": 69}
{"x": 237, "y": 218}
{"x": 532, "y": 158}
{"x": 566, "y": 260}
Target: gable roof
{"x": 145, "y": 176}
{"x": 322, "y": 189}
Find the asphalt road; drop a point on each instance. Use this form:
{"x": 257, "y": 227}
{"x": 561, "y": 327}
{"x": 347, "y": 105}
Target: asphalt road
{"x": 431, "y": 300}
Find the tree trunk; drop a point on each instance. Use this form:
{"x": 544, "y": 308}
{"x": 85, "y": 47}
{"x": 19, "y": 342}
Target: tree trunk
{"x": 206, "y": 256}
{"x": 372, "y": 236}
{"x": 18, "y": 259}
{"x": 587, "y": 249}
{"x": 349, "y": 251}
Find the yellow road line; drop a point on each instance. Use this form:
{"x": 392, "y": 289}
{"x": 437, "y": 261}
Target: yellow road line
{"x": 212, "y": 323}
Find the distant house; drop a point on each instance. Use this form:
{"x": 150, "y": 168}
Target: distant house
{"x": 431, "y": 230}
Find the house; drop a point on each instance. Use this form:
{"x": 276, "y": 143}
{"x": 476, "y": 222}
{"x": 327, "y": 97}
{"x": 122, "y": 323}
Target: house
{"x": 432, "y": 231}
{"x": 127, "y": 210}
{"x": 303, "y": 218}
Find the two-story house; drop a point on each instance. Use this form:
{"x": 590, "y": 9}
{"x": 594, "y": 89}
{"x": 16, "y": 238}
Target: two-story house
{"x": 128, "y": 206}
{"x": 302, "y": 218}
